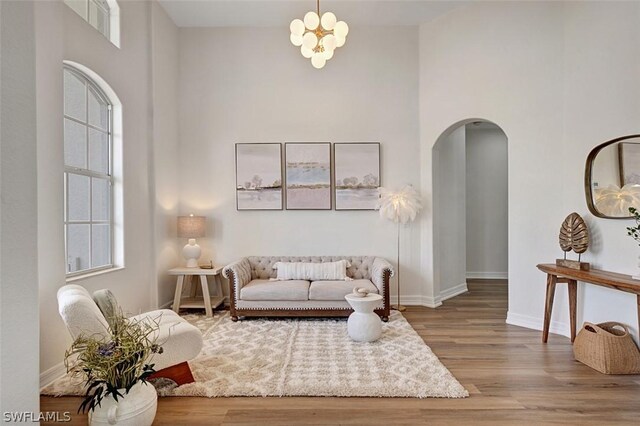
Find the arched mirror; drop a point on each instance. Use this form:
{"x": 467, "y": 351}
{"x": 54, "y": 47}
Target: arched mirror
{"x": 612, "y": 177}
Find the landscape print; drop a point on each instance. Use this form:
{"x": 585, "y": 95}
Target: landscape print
{"x": 357, "y": 170}
{"x": 630, "y": 163}
{"x": 308, "y": 176}
{"x": 259, "y": 176}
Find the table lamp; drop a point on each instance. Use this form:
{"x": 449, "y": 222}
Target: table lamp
{"x": 191, "y": 227}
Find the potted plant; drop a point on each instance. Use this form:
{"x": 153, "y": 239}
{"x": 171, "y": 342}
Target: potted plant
{"x": 634, "y": 232}
{"x": 116, "y": 368}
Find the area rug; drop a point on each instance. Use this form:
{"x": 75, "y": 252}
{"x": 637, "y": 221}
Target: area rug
{"x": 306, "y": 357}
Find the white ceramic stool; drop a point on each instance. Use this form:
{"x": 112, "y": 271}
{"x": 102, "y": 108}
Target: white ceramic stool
{"x": 364, "y": 325}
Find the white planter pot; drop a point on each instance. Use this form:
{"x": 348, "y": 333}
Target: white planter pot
{"x": 137, "y": 408}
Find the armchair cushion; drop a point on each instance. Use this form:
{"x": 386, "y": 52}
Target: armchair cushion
{"x": 337, "y": 290}
{"x": 275, "y": 290}
{"x": 180, "y": 340}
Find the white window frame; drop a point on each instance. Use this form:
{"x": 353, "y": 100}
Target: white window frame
{"x": 112, "y": 29}
{"x": 109, "y": 177}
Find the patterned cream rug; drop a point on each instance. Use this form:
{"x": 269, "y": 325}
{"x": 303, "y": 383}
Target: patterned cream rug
{"x": 305, "y": 357}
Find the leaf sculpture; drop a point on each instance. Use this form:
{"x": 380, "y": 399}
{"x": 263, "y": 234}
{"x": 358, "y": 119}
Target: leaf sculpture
{"x": 574, "y": 234}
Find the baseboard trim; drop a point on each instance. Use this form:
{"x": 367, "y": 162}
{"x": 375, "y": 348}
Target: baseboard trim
{"x": 487, "y": 275}
{"x": 416, "y": 300}
{"x": 536, "y": 323}
{"x": 453, "y": 291}
{"x": 52, "y": 374}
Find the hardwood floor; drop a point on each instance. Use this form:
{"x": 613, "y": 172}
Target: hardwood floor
{"x": 512, "y": 377}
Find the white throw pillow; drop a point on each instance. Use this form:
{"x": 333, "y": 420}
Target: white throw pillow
{"x": 312, "y": 271}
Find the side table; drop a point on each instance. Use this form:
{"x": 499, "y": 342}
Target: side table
{"x": 206, "y": 302}
{"x": 363, "y": 324}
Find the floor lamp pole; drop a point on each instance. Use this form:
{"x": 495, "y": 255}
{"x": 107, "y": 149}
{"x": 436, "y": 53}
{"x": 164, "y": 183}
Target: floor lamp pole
{"x": 398, "y": 306}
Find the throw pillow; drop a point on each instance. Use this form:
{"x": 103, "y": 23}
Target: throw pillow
{"x": 107, "y": 304}
{"x": 312, "y": 271}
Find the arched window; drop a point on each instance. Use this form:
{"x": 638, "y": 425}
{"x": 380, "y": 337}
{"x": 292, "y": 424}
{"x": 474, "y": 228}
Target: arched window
{"x": 88, "y": 175}
{"x": 103, "y": 15}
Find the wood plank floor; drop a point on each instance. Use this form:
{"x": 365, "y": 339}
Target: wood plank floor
{"x": 512, "y": 377}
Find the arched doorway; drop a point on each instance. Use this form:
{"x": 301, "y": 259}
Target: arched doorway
{"x": 470, "y": 207}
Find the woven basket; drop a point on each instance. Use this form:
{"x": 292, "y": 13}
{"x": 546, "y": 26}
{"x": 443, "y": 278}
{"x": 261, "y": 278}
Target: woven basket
{"x": 607, "y": 349}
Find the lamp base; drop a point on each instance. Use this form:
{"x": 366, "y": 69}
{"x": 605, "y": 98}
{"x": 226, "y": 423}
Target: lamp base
{"x": 191, "y": 253}
{"x": 399, "y": 308}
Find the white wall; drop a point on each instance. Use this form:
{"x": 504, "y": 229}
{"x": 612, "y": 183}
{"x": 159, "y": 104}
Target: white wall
{"x": 558, "y": 78}
{"x": 449, "y": 213}
{"x": 251, "y": 85}
{"x": 18, "y": 209}
{"x": 166, "y": 173}
{"x": 487, "y": 203}
{"x": 63, "y": 35}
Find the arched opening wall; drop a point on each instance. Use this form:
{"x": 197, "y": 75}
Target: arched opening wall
{"x": 541, "y": 75}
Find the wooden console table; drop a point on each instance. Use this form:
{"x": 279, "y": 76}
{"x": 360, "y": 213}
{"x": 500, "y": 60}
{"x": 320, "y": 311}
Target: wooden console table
{"x": 558, "y": 274}
{"x": 207, "y": 302}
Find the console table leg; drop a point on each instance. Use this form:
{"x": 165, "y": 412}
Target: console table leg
{"x": 548, "y": 306}
{"x": 205, "y": 294}
{"x": 178, "y": 294}
{"x": 573, "y": 295}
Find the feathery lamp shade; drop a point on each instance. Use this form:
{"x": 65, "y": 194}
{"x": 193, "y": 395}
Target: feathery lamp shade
{"x": 399, "y": 207}
{"x": 191, "y": 227}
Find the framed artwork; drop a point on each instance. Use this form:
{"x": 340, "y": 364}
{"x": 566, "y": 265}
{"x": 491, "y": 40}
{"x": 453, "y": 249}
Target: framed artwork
{"x": 357, "y": 175}
{"x": 259, "y": 176}
{"x": 308, "y": 175}
{"x": 629, "y": 153}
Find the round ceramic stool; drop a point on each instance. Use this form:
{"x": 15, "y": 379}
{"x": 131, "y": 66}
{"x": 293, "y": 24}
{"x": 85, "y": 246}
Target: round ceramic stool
{"x": 364, "y": 325}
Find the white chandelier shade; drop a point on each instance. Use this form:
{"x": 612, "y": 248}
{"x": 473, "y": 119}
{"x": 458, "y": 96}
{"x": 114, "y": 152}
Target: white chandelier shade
{"x": 318, "y": 36}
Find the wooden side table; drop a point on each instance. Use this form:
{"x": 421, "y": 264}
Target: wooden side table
{"x": 206, "y": 302}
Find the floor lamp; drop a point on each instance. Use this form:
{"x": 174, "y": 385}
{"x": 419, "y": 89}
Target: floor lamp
{"x": 400, "y": 207}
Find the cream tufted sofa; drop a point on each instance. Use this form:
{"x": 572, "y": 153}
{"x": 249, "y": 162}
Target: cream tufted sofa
{"x": 253, "y": 293}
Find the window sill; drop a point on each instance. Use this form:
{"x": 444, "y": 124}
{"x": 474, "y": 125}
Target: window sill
{"x": 93, "y": 274}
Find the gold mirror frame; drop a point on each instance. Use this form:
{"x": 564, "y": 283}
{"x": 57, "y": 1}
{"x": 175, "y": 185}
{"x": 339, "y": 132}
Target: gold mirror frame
{"x": 589, "y": 171}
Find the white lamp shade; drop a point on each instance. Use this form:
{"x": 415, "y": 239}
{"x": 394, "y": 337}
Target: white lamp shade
{"x": 297, "y": 27}
{"x": 307, "y": 53}
{"x": 400, "y": 206}
{"x": 191, "y": 226}
{"x": 311, "y": 20}
{"x": 329, "y": 42}
{"x": 296, "y": 39}
{"x": 340, "y": 41}
{"x": 309, "y": 40}
{"x": 318, "y": 60}
{"x": 341, "y": 29}
{"x": 328, "y": 21}
{"x": 327, "y": 54}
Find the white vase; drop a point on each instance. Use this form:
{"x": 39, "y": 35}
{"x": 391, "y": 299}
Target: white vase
{"x": 137, "y": 408}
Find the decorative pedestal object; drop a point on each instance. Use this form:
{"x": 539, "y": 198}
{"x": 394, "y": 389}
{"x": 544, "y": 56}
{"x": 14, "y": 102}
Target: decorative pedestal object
{"x": 137, "y": 408}
{"x": 364, "y": 325}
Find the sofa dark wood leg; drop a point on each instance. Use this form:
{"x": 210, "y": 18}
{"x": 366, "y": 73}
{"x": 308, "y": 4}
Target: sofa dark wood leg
{"x": 385, "y": 319}
{"x": 234, "y": 318}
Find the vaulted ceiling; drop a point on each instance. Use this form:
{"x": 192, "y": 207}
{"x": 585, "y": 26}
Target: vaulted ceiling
{"x": 268, "y": 13}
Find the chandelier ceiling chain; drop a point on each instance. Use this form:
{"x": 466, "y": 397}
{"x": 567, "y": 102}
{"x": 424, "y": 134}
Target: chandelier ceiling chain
{"x": 318, "y": 35}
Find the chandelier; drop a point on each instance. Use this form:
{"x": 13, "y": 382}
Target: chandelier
{"x": 318, "y": 37}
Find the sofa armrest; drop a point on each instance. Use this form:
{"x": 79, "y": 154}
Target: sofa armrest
{"x": 381, "y": 271}
{"x": 239, "y": 274}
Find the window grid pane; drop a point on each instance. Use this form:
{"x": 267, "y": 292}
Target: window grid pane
{"x": 87, "y": 179}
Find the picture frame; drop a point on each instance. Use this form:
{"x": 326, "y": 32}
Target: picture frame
{"x": 308, "y": 175}
{"x": 356, "y": 175}
{"x": 259, "y": 176}
{"x": 629, "y": 161}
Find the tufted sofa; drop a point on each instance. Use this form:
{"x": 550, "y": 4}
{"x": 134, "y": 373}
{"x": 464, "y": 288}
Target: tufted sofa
{"x": 253, "y": 292}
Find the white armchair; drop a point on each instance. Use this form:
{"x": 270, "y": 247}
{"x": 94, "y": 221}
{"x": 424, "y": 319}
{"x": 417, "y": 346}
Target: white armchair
{"x": 180, "y": 340}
